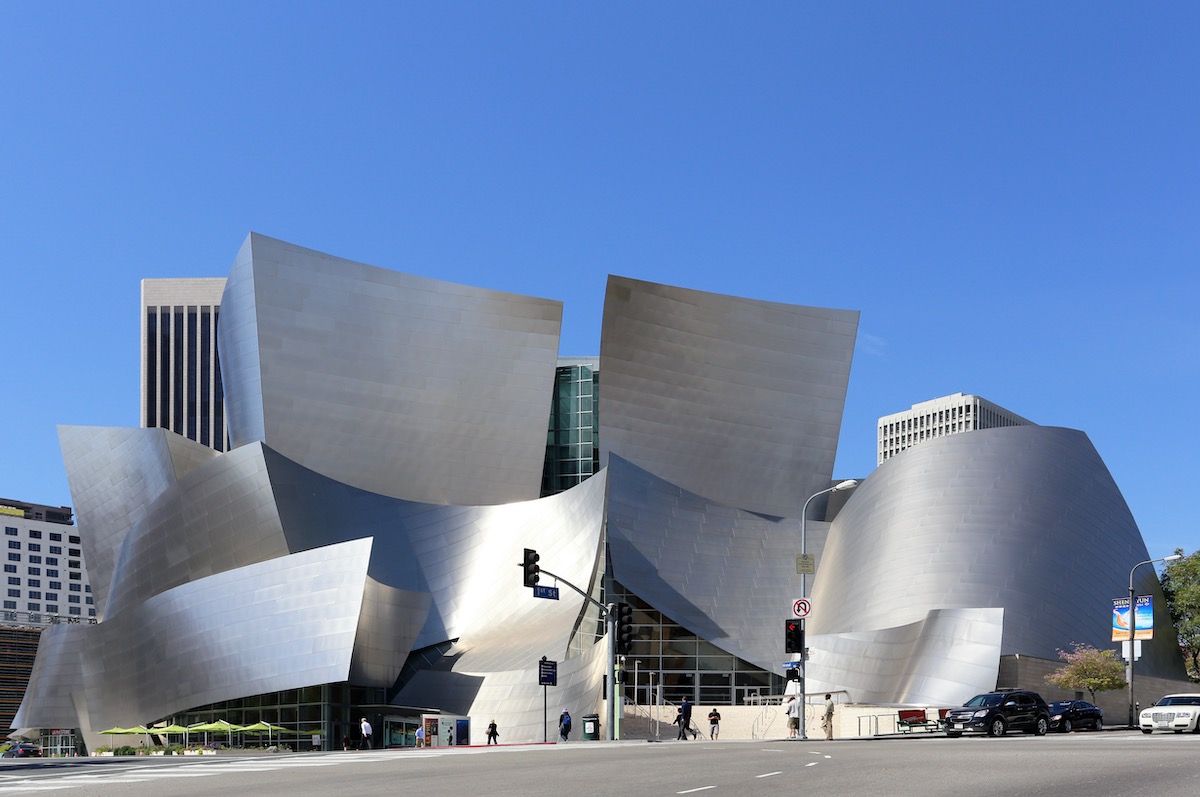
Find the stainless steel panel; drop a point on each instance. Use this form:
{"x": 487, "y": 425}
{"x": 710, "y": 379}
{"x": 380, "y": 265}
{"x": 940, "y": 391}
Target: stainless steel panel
{"x": 115, "y": 475}
{"x": 737, "y": 400}
{"x": 282, "y": 624}
{"x": 1023, "y": 518}
{"x": 400, "y": 385}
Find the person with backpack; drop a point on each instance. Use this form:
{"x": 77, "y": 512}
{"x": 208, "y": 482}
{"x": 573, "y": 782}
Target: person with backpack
{"x": 564, "y": 725}
{"x": 493, "y": 734}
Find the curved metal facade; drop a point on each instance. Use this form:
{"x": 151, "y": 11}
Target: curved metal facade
{"x": 389, "y": 436}
{"x": 1023, "y": 519}
{"x": 725, "y": 574}
{"x": 246, "y": 526}
{"x": 400, "y": 385}
{"x": 737, "y": 400}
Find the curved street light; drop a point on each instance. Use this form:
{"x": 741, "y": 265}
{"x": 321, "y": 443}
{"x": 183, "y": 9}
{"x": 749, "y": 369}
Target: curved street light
{"x": 845, "y": 485}
{"x": 1133, "y": 627}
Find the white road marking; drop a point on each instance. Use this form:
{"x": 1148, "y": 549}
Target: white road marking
{"x": 768, "y": 775}
{"x": 690, "y": 791}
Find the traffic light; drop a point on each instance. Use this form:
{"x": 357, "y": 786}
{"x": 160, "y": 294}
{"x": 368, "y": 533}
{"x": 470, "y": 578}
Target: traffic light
{"x": 793, "y": 636}
{"x": 531, "y": 567}
{"x": 624, "y": 629}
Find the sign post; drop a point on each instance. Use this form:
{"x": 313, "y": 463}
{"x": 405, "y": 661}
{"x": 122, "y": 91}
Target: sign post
{"x": 547, "y": 676}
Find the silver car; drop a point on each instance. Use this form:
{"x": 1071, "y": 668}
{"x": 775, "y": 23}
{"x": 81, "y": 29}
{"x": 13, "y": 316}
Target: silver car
{"x": 1177, "y": 713}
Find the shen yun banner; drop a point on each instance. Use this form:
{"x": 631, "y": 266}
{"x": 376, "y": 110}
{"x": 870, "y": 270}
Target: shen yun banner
{"x": 1145, "y": 619}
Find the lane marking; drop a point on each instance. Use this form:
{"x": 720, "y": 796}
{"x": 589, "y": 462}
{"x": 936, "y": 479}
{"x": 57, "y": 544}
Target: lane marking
{"x": 811, "y": 764}
{"x": 768, "y": 775}
{"x": 692, "y": 791}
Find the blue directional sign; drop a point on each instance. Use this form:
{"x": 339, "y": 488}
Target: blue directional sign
{"x": 546, "y": 592}
{"x": 547, "y": 672}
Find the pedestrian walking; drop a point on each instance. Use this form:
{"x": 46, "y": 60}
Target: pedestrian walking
{"x": 686, "y": 708}
{"x": 827, "y": 718}
{"x": 420, "y": 736}
{"x": 493, "y": 734}
{"x": 366, "y": 735}
{"x": 794, "y": 707}
{"x": 564, "y": 725}
{"x": 682, "y": 733}
{"x": 714, "y": 724}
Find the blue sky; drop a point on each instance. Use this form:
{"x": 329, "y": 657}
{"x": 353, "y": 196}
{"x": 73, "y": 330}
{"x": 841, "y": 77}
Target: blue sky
{"x": 1008, "y": 192}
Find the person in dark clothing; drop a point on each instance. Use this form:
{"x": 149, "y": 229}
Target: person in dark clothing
{"x": 686, "y": 707}
{"x": 493, "y": 734}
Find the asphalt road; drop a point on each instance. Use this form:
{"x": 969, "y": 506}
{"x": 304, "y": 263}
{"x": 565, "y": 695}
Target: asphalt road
{"x": 1082, "y": 764}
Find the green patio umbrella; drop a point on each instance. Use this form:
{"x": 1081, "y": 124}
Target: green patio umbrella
{"x": 111, "y": 731}
{"x": 264, "y": 727}
{"x": 217, "y": 726}
{"x": 169, "y": 729}
{"x": 140, "y": 729}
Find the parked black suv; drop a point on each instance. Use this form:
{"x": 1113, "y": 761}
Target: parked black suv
{"x": 996, "y": 713}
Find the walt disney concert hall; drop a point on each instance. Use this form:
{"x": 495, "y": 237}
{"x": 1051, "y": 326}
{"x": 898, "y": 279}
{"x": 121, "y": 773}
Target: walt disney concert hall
{"x": 356, "y": 551}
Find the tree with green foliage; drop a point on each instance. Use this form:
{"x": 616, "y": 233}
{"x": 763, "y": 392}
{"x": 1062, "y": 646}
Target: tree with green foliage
{"x": 1090, "y": 669}
{"x": 1181, "y": 586}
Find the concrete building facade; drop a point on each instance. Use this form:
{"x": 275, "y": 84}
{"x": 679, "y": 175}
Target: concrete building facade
{"x": 940, "y": 417}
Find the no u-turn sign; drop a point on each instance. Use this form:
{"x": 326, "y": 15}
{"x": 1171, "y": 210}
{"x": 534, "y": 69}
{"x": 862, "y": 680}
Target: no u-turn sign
{"x": 802, "y": 608}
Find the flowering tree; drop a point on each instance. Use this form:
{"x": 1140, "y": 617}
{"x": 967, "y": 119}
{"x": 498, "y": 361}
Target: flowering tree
{"x": 1088, "y": 668}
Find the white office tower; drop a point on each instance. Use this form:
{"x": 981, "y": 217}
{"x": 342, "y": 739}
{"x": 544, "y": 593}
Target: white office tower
{"x": 940, "y": 417}
{"x": 47, "y": 583}
{"x": 181, "y": 374}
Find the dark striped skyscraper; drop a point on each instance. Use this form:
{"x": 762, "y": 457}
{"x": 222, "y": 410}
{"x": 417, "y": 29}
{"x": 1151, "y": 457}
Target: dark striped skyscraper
{"x": 181, "y": 374}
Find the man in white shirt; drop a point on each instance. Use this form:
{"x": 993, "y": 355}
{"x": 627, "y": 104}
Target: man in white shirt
{"x": 366, "y": 735}
{"x": 794, "y": 707}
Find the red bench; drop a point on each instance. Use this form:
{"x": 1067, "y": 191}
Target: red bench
{"x": 910, "y": 718}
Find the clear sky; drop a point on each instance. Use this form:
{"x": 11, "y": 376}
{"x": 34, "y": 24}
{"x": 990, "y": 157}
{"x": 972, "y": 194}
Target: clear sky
{"x": 1007, "y": 191}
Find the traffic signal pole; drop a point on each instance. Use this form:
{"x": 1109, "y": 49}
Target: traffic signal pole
{"x": 607, "y": 614}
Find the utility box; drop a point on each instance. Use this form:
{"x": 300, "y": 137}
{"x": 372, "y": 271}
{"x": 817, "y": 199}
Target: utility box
{"x": 591, "y": 727}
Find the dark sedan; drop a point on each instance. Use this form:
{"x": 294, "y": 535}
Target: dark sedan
{"x": 23, "y": 750}
{"x": 1067, "y": 715}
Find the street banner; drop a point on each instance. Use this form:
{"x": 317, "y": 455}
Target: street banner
{"x": 1145, "y": 619}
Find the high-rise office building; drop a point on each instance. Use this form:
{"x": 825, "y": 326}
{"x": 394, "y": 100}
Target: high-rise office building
{"x": 181, "y": 374}
{"x": 47, "y": 583}
{"x": 940, "y": 417}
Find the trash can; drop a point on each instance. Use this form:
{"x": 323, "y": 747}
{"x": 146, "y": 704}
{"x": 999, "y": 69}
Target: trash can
{"x": 591, "y": 727}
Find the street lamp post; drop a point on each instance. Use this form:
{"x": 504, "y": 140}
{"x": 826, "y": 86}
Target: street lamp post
{"x": 636, "y": 663}
{"x": 845, "y": 485}
{"x": 1133, "y": 629}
